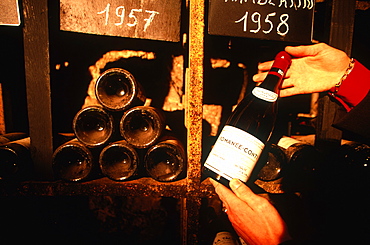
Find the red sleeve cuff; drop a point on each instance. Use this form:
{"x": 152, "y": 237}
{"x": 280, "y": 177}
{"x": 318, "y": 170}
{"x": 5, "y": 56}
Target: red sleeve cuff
{"x": 355, "y": 87}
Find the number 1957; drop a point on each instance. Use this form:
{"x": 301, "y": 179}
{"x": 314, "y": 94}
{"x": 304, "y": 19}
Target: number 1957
{"x": 133, "y": 21}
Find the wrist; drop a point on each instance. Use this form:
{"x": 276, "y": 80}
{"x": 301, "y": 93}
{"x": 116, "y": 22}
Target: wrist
{"x": 334, "y": 90}
{"x": 354, "y": 87}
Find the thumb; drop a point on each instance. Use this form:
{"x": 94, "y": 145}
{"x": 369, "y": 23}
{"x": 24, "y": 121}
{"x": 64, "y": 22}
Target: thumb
{"x": 305, "y": 50}
{"x": 241, "y": 190}
{"x": 246, "y": 194}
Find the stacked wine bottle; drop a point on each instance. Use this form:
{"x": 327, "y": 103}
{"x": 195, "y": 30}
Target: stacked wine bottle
{"x": 121, "y": 137}
{"x": 292, "y": 164}
{"x": 15, "y": 158}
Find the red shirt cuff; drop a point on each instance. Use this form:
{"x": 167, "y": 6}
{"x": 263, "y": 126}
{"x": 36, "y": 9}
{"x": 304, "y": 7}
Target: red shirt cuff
{"x": 355, "y": 87}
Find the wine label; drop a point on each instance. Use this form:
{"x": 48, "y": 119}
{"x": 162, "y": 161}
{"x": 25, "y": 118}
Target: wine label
{"x": 224, "y": 238}
{"x": 265, "y": 94}
{"x": 286, "y": 142}
{"x": 234, "y": 154}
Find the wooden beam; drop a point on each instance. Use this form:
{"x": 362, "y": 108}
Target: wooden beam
{"x": 342, "y": 16}
{"x": 194, "y": 117}
{"x": 37, "y": 72}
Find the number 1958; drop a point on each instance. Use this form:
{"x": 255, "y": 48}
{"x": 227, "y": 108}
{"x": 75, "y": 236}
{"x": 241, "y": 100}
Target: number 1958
{"x": 282, "y": 28}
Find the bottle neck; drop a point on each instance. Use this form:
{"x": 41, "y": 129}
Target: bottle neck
{"x": 273, "y": 80}
{"x": 268, "y": 89}
{"x": 277, "y": 72}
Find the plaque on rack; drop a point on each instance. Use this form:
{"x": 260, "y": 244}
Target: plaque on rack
{"x": 282, "y": 20}
{"x": 9, "y": 13}
{"x": 145, "y": 19}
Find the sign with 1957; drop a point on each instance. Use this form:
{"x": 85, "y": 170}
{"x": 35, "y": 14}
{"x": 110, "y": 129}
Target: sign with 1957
{"x": 9, "y": 13}
{"x": 147, "y": 19}
{"x": 284, "y": 20}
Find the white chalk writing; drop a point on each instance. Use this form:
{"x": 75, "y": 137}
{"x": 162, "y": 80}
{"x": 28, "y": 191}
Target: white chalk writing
{"x": 135, "y": 16}
{"x": 282, "y": 28}
{"x": 288, "y": 4}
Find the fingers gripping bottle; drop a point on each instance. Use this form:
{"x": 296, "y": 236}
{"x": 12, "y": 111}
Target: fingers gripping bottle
{"x": 248, "y": 128}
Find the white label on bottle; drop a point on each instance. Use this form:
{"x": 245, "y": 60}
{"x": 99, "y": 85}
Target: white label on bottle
{"x": 234, "y": 154}
{"x": 264, "y": 94}
{"x": 224, "y": 238}
{"x": 285, "y": 142}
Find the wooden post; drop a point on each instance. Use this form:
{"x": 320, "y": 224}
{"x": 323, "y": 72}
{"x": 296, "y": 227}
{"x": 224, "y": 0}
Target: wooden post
{"x": 194, "y": 115}
{"x": 2, "y": 118}
{"x": 37, "y": 72}
{"x": 340, "y": 36}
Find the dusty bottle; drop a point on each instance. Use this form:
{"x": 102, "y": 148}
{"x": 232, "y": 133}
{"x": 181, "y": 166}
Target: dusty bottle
{"x": 15, "y": 160}
{"x": 217, "y": 229}
{"x": 73, "y": 161}
{"x": 166, "y": 160}
{"x": 242, "y": 139}
{"x": 352, "y": 157}
{"x": 93, "y": 126}
{"x": 119, "y": 161}
{"x": 116, "y": 89}
{"x": 8, "y": 137}
{"x": 141, "y": 126}
{"x": 303, "y": 164}
{"x": 298, "y": 152}
{"x": 355, "y": 154}
{"x": 275, "y": 165}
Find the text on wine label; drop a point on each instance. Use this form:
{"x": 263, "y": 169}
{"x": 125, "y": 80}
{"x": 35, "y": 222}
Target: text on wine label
{"x": 240, "y": 147}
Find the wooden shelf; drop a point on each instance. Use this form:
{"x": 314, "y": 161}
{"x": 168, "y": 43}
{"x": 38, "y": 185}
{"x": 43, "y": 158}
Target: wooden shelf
{"x": 104, "y": 186}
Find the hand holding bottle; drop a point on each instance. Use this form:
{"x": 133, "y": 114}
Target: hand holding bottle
{"x": 314, "y": 68}
{"x": 253, "y": 217}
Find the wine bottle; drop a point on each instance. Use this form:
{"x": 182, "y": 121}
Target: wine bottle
{"x": 141, "y": 126}
{"x": 225, "y": 238}
{"x": 223, "y": 230}
{"x": 73, "y": 161}
{"x": 166, "y": 160}
{"x": 8, "y": 137}
{"x": 275, "y": 165}
{"x": 119, "y": 161}
{"x": 93, "y": 126}
{"x": 116, "y": 89}
{"x": 298, "y": 151}
{"x": 215, "y": 227}
{"x": 303, "y": 163}
{"x": 353, "y": 156}
{"x": 15, "y": 160}
{"x": 248, "y": 128}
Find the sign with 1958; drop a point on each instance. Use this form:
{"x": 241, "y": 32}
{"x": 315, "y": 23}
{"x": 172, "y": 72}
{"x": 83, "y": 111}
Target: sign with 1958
{"x": 284, "y": 20}
{"x": 147, "y": 19}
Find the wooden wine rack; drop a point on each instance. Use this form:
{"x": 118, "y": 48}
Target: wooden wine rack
{"x": 190, "y": 190}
